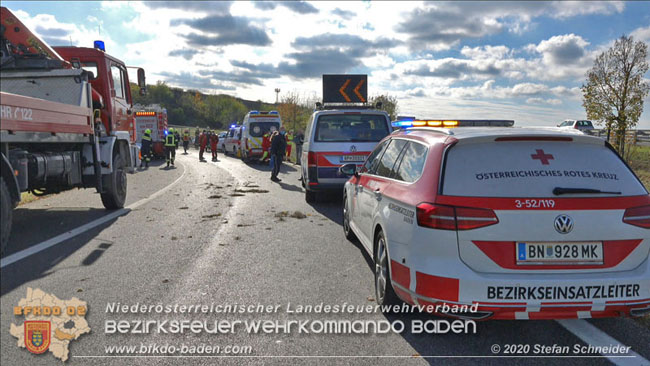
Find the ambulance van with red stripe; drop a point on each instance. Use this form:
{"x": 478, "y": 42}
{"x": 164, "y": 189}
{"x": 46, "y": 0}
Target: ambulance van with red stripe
{"x": 335, "y": 137}
{"x": 530, "y": 223}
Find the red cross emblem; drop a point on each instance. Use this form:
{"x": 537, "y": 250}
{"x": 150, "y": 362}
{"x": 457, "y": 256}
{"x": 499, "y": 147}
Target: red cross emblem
{"x": 544, "y": 158}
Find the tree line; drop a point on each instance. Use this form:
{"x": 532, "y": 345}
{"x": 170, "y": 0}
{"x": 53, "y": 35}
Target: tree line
{"x": 192, "y": 108}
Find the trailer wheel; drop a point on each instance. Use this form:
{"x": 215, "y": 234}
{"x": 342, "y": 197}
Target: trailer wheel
{"x": 115, "y": 185}
{"x": 7, "y": 212}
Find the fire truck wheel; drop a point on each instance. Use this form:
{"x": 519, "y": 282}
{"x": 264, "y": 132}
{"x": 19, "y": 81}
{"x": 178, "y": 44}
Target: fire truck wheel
{"x": 115, "y": 185}
{"x": 7, "y": 211}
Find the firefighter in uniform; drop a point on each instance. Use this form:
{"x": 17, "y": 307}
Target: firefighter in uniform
{"x": 266, "y": 145}
{"x": 170, "y": 146}
{"x": 203, "y": 141}
{"x": 186, "y": 140}
{"x": 214, "y": 140}
{"x": 146, "y": 148}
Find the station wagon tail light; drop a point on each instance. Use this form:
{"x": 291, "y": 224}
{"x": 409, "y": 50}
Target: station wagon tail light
{"x": 454, "y": 218}
{"x": 638, "y": 216}
{"x": 436, "y": 216}
{"x": 311, "y": 158}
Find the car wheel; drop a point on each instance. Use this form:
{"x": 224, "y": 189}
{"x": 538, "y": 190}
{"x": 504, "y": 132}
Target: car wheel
{"x": 310, "y": 196}
{"x": 384, "y": 292}
{"x": 114, "y": 185}
{"x": 349, "y": 234}
{"x": 7, "y": 214}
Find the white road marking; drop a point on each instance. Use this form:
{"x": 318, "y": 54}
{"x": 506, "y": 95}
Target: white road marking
{"x": 83, "y": 228}
{"x": 597, "y": 338}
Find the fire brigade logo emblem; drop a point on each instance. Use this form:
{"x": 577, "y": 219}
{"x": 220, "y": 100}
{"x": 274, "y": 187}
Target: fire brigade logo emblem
{"x": 353, "y": 148}
{"x": 37, "y": 336}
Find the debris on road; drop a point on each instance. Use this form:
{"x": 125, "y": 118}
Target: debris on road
{"x": 295, "y": 214}
{"x": 253, "y": 190}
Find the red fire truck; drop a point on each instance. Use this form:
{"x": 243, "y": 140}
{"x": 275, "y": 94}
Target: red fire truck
{"x": 154, "y": 118}
{"x": 65, "y": 120}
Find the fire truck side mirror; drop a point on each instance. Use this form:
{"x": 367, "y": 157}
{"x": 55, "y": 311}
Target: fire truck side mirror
{"x": 142, "y": 82}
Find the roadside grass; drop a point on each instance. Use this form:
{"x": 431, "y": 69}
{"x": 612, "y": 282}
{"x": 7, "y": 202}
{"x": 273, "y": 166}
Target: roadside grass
{"x": 27, "y": 197}
{"x": 639, "y": 160}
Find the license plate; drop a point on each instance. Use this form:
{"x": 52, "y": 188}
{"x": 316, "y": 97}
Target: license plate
{"x": 353, "y": 158}
{"x": 559, "y": 253}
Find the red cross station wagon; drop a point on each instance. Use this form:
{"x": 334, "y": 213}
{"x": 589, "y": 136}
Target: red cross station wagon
{"x": 530, "y": 223}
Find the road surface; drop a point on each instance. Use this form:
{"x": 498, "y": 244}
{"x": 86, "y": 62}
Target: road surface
{"x": 223, "y": 233}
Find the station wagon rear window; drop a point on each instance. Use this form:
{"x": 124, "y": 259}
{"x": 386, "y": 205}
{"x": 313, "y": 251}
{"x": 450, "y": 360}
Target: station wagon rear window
{"x": 351, "y": 128}
{"x": 536, "y": 169}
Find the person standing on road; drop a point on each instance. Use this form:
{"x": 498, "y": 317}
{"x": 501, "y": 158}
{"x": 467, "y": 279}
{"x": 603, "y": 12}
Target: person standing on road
{"x": 289, "y": 138}
{"x": 203, "y": 141}
{"x": 266, "y": 144}
{"x": 298, "y": 140}
{"x": 186, "y": 140}
{"x": 170, "y": 147}
{"x": 278, "y": 148}
{"x": 177, "y": 137}
{"x": 145, "y": 147}
{"x": 197, "y": 133}
{"x": 214, "y": 140}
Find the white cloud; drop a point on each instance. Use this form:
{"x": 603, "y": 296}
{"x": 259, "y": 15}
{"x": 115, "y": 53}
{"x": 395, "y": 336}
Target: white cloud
{"x": 550, "y": 101}
{"x": 641, "y": 34}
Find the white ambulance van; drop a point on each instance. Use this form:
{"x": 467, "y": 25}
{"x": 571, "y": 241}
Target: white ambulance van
{"x": 255, "y": 125}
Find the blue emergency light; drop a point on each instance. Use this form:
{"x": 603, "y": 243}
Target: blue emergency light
{"x": 402, "y": 124}
{"x": 273, "y": 112}
{"x": 99, "y": 45}
{"x": 166, "y": 132}
{"x": 254, "y": 112}
{"x": 412, "y": 122}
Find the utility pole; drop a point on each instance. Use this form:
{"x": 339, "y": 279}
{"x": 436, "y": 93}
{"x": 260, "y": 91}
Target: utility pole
{"x": 277, "y": 95}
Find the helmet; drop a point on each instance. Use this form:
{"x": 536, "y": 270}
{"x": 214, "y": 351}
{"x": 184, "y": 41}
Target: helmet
{"x": 171, "y": 129}
{"x": 147, "y": 132}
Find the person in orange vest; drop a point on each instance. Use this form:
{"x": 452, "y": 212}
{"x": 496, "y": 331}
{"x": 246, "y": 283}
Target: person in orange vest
{"x": 289, "y": 143}
{"x": 266, "y": 145}
{"x": 214, "y": 140}
{"x": 186, "y": 140}
{"x": 203, "y": 141}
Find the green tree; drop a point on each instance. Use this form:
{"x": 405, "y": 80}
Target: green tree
{"x": 389, "y": 104}
{"x": 615, "y": 88}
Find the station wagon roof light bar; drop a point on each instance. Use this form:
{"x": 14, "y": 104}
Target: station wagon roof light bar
{"x": 407, "y": 122}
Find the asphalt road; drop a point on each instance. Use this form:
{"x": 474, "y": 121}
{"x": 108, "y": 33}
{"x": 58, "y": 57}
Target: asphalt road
{"x": 223, "y": 233}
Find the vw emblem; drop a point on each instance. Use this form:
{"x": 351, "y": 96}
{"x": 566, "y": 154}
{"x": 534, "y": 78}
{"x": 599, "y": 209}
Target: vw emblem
{"x": 353, "y": 148}
{"x": 563, "y": 224}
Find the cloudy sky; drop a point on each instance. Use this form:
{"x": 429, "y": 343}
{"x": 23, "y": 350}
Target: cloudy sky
{"x": 518, "y": 60}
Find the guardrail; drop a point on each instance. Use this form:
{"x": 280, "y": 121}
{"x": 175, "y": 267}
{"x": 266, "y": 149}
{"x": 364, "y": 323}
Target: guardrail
{"x": 641, "y": 137}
